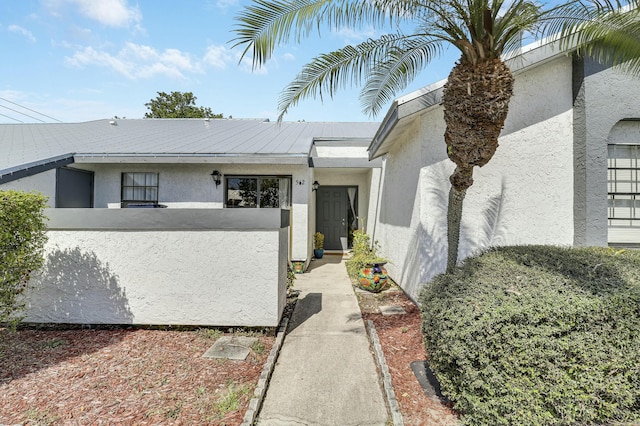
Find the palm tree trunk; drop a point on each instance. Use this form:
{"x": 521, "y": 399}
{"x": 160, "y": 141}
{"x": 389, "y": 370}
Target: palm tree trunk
{"x": 476, "y": 101}
{"x": 454, "y": 219}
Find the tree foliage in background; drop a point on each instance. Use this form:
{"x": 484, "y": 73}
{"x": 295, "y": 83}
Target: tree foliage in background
{"x": 22, "y": 239}
{"x": 477, "y": 94}
{"x": 177, "y": 105}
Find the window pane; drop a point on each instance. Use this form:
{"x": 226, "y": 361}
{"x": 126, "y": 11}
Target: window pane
{"x": 284, "y": 193}
{"x": 151, "y": 194}
{"x": 269, "y": 193}
{"x": 127, "y": 179}
{"x": 242, "y": 192}
{"x": 138, "y": 193}
{"x": 151, "y": 179}
{"x": 138, "y": 179}
{"x": 127, "y": 194}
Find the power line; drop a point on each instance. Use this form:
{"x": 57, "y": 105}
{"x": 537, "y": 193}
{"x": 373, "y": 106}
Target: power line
{"x": 28, "y": 109}
{"x": 11, "y": 118}
{"x": 30, "y": 116}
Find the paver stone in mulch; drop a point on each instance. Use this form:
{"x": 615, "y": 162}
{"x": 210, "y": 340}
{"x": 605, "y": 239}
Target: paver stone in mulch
{"x": 392, "y": 310}
{"x": 231, "y": 347}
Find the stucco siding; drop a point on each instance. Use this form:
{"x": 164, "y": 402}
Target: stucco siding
{"x": 523, "y": 196}
{"x": 221, "y": 277}
{"x": 44, "y": 183}
{"x": 191, "y": 186}
{"x": 609, "y": 96}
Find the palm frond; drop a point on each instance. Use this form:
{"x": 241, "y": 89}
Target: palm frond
{"x": 605, "y": 30}
{"x": 614, "y": 39}
{"x": 266, "y": 24}
{"x": 566, "y": 19}
{"x": 520, "y": 18}
{"x": 401, "y": 66}
{"x": 327, "y": 73}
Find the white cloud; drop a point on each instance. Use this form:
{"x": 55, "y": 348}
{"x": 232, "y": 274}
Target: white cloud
{"x": 218, "y": 56}
{"x": 352, "y": 36}
{"x": 138, "y": 61}
{"x": 226, "y": 4}
{"x": 289, "y": 57}
{"x": 113, "y": 13}
{"x": 90, "y": 56}
{"x": 23, "y": 32}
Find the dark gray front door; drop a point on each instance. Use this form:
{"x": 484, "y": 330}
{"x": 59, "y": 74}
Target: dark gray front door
{"x": 332, "y": 208}
{"x": 74, "y": 188}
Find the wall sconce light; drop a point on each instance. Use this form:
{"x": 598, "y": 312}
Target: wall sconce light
{"x": 315, "y": 185}
{"x": 217, "y": 177}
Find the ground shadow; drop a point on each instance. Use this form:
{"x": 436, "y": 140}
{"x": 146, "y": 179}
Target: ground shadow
{"x": 306, "y": 307}
{"x": 34, "y": 348}
{"x": 72, "y": 290}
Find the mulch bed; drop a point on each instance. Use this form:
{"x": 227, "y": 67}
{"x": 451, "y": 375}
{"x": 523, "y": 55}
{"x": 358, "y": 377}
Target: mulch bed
{"x": 143, "y": 377}
{"x": 401, "y": 340}
{"x": 123, "y": 376}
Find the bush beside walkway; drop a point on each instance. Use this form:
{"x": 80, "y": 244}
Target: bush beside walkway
{"x": 538, "y": 336}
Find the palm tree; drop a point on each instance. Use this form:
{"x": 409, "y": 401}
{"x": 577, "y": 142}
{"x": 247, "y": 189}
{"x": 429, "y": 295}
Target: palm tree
{"x": 477, "y": 93}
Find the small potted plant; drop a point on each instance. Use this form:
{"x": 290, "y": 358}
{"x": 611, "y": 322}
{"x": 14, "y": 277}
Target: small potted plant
{"x": 318, "y": 245}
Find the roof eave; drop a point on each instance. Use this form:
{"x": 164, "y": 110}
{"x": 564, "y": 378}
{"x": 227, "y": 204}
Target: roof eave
{"x": 408, "y": 106}
{"x": 191, "y": 158}
{"x": 33, "y": 168}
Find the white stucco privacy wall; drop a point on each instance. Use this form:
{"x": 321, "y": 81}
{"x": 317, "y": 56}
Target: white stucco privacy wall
{"x": 138, "y": 266}
{"x": 524, "y": 195}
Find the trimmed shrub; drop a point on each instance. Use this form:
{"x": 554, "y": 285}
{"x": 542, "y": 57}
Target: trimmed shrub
{"x": 538, "y": 335}
{"x": 22, "y": 239}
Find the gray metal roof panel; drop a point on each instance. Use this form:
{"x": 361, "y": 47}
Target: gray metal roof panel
{"x": 26, "y": 143}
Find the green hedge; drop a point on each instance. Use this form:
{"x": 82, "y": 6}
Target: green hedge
{"x": 22, "y": 239}
{"x": 538, "y": 335}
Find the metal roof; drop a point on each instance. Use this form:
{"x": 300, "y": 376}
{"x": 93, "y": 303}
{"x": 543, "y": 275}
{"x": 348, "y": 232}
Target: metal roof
{"x": 166, "y": 140}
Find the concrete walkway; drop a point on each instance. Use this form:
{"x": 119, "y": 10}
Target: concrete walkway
{"x": 325, "y": 374}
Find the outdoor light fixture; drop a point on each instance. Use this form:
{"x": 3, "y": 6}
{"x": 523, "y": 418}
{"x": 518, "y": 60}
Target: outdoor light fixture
{"x": 216, "y": 176}
{"x": 315, "y": 185}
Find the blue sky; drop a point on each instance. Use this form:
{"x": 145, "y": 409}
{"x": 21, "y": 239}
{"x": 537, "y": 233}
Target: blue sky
{"x": 81, "y": 60}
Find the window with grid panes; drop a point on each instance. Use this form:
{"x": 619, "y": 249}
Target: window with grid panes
{"x": 139, "y": 188}
{"x": 258, "y": 191}
{"x": 623, "y": 183}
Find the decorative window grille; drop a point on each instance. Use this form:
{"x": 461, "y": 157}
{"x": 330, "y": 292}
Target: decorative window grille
{"x": 623, "y": 185}
{"x": 139, "y": 188}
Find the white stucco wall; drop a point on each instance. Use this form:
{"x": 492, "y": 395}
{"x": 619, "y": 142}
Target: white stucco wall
{"x": 218, "y": 277}
{"x": 44, "y": 183}
{"x": 608, "y": 96}
{"x": 523, "y": 196}
{"x": 179, "y": 185}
